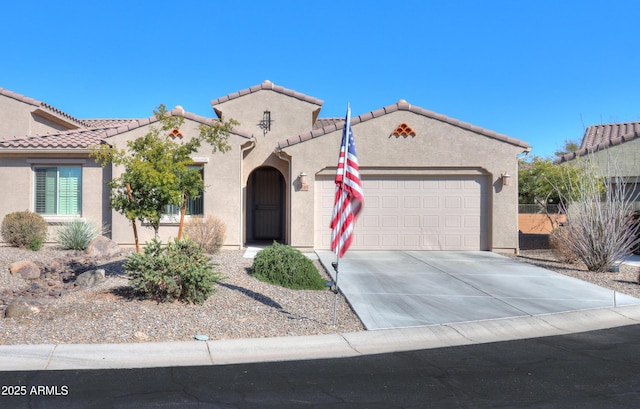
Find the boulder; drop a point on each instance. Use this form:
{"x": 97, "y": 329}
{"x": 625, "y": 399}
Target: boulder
{"x": 91, "y": 278}
{"x": 102, "y": 247}
{"x": 24, "y": 307}
{"x": 28, "y": 270}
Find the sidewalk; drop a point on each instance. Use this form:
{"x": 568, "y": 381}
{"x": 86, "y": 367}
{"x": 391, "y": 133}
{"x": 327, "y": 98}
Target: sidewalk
{"x": 199, "y": 353}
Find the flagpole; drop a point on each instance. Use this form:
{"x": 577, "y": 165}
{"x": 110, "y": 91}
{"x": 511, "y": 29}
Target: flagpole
{"x": 347, "y": 124}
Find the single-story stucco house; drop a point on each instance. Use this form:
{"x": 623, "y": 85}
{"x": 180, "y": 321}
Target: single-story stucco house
{"x": 615, "y": 151}
{"x": 430, "y": 182}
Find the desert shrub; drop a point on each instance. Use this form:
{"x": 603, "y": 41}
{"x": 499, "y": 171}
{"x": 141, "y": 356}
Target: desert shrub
{"x": 559, "y": 243}
{"x": 208, "y": 231}
{"x": 288, "y": 267}
{"x": 178, "y": 271}
{"x": 77, "y": 234}
{"x": 25, "y": 230}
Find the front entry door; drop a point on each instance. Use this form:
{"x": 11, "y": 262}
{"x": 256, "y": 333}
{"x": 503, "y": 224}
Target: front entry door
{"x": 268, "y": 204}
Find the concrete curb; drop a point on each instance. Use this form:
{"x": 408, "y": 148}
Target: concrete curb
{"x": 224, "y": 352}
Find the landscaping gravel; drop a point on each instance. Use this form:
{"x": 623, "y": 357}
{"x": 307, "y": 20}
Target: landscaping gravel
{"x": 242, "y": 307}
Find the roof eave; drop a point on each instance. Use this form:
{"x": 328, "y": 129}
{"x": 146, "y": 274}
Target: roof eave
{"x": 44, "y": 150}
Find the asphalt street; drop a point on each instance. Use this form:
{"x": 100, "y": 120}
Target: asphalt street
{"x": 597, "y": 369}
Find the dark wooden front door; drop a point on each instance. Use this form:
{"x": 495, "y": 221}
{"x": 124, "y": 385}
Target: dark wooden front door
{"x": 267, "y": 185}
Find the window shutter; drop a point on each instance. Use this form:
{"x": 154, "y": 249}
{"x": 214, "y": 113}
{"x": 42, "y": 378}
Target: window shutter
{"x": 70, "y": 180}
{"x": 45, "y": 190}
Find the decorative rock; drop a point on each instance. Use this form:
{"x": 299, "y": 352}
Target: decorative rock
{"x": 91, "y": 278}
{"x": 140, "y": 336}
{"x": 23, "y": 307}
{"x": 25, "y": 269}
{"x": 103, "y": 247}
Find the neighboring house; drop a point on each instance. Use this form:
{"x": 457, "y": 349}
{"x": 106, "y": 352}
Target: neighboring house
{"x": 615, "y": 149}
{"x": 430, "y": 182}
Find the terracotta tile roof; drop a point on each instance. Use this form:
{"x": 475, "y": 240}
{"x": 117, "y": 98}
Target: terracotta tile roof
{"x": 42, "y": 105}
{"x": 85, "y": 138}
{"x": 401, "y": 105}
{"x": 75, "y": 139}
{"x": 324, "y": 122}
{"x": 107, "y": 122}
{"x": 266, "y": 85}
{"x": 597, "y": 137}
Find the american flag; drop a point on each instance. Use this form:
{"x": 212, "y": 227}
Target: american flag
{"x": 349, "y": 195}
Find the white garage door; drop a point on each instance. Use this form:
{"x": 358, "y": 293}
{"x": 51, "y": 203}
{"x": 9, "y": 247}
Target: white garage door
{"x": 412, "y": 213}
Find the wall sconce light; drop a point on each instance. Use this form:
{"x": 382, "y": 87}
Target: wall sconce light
{"x": 265, "y": 123}
{"x": 304, "y": 185}
{"x": 505, "y": 179}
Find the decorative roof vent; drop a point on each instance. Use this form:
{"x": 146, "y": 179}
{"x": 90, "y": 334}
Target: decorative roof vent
{"x": 175, "y": 133}
{"x": 403, "y": 130}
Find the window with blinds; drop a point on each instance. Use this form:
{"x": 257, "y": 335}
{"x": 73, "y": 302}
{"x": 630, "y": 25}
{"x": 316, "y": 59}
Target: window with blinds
{"x": 195, "y": 206}
{"x": 58, "y": 190}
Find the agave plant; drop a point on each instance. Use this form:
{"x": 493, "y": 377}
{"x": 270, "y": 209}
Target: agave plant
{"x": 77, "y": 234}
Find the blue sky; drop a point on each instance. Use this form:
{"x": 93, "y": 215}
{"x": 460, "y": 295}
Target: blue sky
{"x": 539, "y": 71}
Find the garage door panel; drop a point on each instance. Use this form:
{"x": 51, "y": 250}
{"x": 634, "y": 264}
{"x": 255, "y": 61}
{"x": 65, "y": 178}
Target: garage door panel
{"x": 411, "y": 240}
{"x": 411, "y": 221}
{"x": 431, "y": 221}
{"x": 370, "y": 240}
{"x": 411, "y": 213}
{"x": 453, "y": 202}
{"x": 431, "y": 202}
{"x": 390, "y": 240}
{"x": 452, "y": 221}
{"x": 390, "y": 221}
{"x": 452, "y": 242}
{"x": 412, "y": 202}
{"x": 389, "y": 202}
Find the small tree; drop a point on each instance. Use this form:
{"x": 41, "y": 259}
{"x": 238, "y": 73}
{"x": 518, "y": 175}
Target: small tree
{"x": 157, "y": 169}
{"x": 570, "y": 145}
{"x": 540, "y": 182}
{"x": 600, "y": 219}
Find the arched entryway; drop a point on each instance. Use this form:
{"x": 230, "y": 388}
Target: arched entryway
{"x": 265, "y": 205}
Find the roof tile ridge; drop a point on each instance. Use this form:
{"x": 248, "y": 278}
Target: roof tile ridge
{"x": 614, "y": 124}
{"x": 57, "y": 133}
{"x": 462, "y": 124}
{"x": 37, "y": 103}
{"x": 267, "y": 85}
{"x": 88, "y": 121}
{"x": 177, "y": 111}
{"x": 19, "y": 97}
{"x": 62, "y": 113}
{"x": 403, "y": 105}
{"x": 580, "y": 152}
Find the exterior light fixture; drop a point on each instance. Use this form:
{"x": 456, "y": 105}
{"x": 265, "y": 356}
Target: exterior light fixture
{"x": 304, "y": 184}
{"x": 265, "y": 123}
{"x": 505, "y": 179}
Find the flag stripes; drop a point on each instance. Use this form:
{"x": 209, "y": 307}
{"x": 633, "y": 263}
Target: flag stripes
{"x": 349, "y": 195}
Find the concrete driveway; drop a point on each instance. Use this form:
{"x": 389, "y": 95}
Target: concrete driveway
{"x": 395, "y": 289}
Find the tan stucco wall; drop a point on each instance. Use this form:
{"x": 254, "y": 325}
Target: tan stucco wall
{"x": 620, "y": 160}
{"x": 438, "y": 147}
{"x": 222, "y": 196}
{"x": 17, "y": 184}
{"x": 291, "y": 116}
{"x": 17, "y": 118}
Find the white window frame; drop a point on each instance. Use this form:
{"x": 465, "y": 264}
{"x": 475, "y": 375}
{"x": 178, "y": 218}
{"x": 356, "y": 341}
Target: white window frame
{"x": 56, "y": 214}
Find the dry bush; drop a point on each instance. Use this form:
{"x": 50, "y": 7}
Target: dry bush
{"x": 210, "y": 232}
{"x": 559, "y": 243}
{"x": 600, "y": 217}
